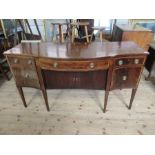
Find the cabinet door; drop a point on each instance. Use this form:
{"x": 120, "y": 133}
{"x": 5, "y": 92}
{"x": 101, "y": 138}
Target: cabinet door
{"x": 125, "y": 78}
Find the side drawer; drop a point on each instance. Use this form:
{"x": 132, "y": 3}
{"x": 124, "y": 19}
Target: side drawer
{"x": 129, "y": 61}
{"x": 24, "y": 70}
{"x": 26, "y": 77}
{"x": 18, "y": 61}
{"x": 64, "y": 65}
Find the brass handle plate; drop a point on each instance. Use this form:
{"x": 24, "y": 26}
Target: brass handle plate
{"x": 55, "y": 64}
{"x": 92, "y": 65}
{"x": 124, "y": 78}
{"x": 16, "y": 61}
{"x": 26, "y": 75}
{"x": 29, "y": 62}
{"x": 120, "y": 62}
{"x": 136, "y": 61}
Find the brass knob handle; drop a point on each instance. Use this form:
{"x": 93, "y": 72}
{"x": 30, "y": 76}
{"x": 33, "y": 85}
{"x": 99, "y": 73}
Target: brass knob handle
{"x": 29, "y": 62}
{"x": 16, "y": 61}
{"x": 120, "y": 62}
{"x": 26, "y": 75}
{"x": 124, "y": 78}
{"x": 92, "y": 65}
{"x": 136, "y": 61}
{"x": 55, "y": 64}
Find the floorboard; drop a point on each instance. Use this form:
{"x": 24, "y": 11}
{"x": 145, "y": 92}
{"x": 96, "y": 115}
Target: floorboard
{"x": 75, "y": 112}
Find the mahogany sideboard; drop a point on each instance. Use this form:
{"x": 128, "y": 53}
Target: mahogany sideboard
{"x": 126, "y": 32}
{"x": 98, "y": 65}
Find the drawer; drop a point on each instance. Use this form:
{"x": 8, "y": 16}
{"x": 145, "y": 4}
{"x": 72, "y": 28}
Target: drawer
{"x": 129, "y": 61}
{"x": 26, "y": 62}
{"x": 26, "y": 77}
{"x": 61, "y": 65}
{"x": 125, "y": 77}
{"x": 24, "y": 71}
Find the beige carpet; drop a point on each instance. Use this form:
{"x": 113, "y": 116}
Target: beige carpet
{"x": 77, "y": 111}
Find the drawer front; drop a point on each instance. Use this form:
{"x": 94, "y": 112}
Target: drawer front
{"x": 27, "y": 62}
{"x": 26, "y": 77}
{"x": 129, "y": 61}
{"x": 125, "y": 78}
{"x": 24, "y": 71}
{"x": 73, "y": 65}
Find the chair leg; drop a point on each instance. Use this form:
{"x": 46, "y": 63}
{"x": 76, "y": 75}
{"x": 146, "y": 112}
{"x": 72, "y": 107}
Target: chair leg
{"x": 86, "y": 32}
{"x": 73, "y": 34}
{"x": 52, "y": 27}
{"x": 61, "y": 37}
{"x": 91, "y": 38}
{"x": 4, "y": 74}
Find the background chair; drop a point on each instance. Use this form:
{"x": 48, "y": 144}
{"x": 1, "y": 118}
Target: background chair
{"x": 84, "y": 30}
{"x": 4, "y": 68}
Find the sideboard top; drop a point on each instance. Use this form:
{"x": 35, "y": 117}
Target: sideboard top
{"x": 78, "y": 50}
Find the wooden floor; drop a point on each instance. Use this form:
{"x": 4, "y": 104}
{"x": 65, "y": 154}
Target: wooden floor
{"x": 77, "y": 111}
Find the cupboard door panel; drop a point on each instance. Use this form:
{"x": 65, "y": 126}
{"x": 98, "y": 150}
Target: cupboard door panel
{"x": 125, "y": 78}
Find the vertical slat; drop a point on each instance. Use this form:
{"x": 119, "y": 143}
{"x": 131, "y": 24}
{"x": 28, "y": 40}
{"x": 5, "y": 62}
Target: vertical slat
{"x": 21, "y": 25}
{"x": 45, "y": 30}
{"x": 28, "y": 26}
{"x": 35, "y": 21}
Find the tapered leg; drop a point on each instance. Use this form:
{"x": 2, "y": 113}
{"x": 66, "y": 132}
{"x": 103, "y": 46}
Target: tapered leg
{"x": 46, "y": 99}
{"x": 20, "y": 90}
{"x": 105, "y": 100}
{"x": 132, "y": 97}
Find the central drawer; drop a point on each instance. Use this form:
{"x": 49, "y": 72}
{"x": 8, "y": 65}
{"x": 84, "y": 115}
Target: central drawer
{"x": 71, "y": 65}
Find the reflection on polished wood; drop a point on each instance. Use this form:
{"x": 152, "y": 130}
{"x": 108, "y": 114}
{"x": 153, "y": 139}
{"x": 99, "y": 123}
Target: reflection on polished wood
{"x": 77, "y": 50}
{"x": 77, "y": 24}
{"x": 104, "y": 66}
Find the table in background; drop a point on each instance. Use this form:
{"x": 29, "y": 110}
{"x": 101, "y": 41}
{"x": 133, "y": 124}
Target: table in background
{"x": 100, "y": 31}
{"x": 140, "y": 35}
